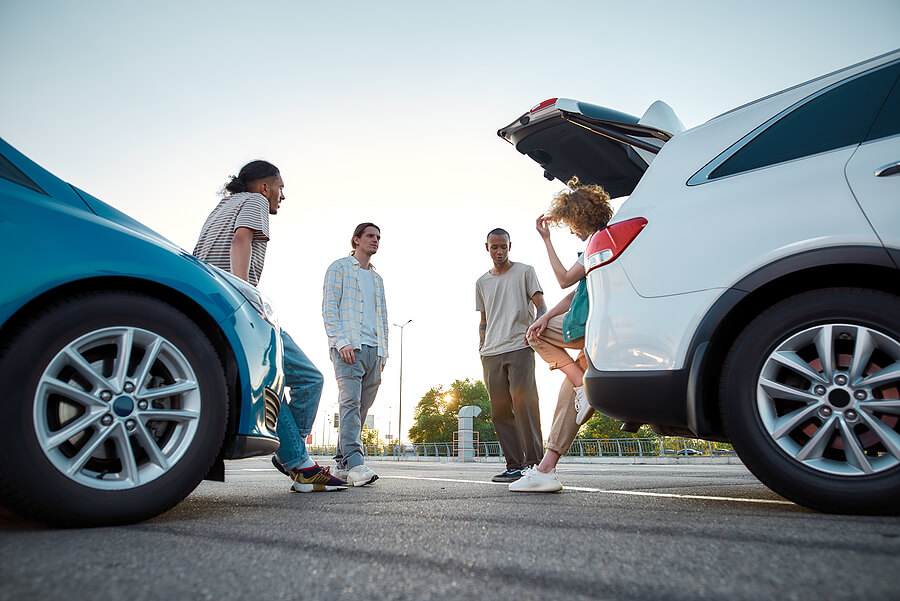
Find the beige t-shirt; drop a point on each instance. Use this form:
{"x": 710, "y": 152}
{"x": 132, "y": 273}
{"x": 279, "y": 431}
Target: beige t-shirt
{"x": 506, "y": 302}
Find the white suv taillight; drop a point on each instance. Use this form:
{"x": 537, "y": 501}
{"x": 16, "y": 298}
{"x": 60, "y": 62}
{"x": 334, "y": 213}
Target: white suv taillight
{"x": 608, "y": 243}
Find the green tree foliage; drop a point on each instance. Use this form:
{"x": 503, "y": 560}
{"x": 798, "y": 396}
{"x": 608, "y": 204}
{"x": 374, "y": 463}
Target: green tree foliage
{"x": 437, "y": 413}
{"x": 370, "y": 436}
{"x": 602, "y": 426}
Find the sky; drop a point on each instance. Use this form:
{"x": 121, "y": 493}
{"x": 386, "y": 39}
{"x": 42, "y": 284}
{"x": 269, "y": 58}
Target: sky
{"x": 384, "y": 112}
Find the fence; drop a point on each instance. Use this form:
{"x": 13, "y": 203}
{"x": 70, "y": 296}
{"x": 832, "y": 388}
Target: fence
{"x": 607, "y": 447}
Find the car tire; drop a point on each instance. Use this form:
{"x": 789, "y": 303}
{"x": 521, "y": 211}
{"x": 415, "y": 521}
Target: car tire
{"x": 114, "y": 408}
{"x": 805, "y": 408}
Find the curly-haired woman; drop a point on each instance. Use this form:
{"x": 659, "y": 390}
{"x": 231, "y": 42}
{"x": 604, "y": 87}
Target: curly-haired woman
{"x": 585, "y": 209}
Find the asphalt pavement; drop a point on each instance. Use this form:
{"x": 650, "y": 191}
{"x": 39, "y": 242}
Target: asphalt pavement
{"x": 428, "y": 530}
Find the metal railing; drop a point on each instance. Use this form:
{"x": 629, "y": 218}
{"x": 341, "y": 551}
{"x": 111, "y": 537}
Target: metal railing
{"x": 606, "y": 447}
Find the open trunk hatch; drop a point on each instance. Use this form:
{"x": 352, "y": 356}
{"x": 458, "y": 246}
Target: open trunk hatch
{"x": 599, "y": 145}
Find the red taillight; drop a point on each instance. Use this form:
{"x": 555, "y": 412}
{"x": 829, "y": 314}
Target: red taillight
{"x": 543, "y": 105}
{"x": 608, "y": 243}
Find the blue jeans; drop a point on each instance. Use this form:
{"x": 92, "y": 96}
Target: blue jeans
{"x": 357, "y": 386}
{"x": 295, "y": 419}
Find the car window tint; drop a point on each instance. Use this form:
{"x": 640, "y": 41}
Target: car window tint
{"x": 840, "y": 117}
{"x": 12, "y": 173}
{"x": 888, "y": 121}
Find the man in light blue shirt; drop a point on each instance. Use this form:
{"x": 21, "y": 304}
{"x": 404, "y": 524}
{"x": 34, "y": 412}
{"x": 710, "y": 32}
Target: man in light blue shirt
{"x": 356, "y": 322}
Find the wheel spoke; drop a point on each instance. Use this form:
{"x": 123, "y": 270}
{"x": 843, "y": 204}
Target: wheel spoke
{"x": 126, "y": 455}
{"x": 123, "y": 357}
{"x": 70, "y": 430}
{"x": 792, "y": 361}
{"x": 148, "y": 443}
{"x": 78, "y": 397}
{"x": 887, "y": 436}
{"x": 786, "y": 424}
{"x": 84, "y": 368}
{"x": 862, "y": 352}
{"x": 853, "y": 450}
{"x": 882, "y": 377}
{"x": 142, "y": 371}
{"x": 825, "y": 349}
{"x": 87, "y": 451}
{"x": 781, "y": 391}
{"x": 886, "y": 406}
{"x": 150, "y": 394}
{"x": 814, "y": 448}
{"x": 169, "y": 415}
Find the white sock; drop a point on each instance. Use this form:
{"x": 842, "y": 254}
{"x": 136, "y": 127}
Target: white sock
{"x": 307, "y": 464}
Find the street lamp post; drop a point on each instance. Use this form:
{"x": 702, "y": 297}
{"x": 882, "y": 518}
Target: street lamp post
{"x": 400, "y": 401}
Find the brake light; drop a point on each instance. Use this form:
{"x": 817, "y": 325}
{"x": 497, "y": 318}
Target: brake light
{"x": 607, "y": 244}
{"x": 543, "y": 105}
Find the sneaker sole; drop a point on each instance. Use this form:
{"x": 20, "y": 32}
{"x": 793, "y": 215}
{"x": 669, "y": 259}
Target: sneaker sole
{"x": 316, "y": 488}
{"x": 364, "y": 482}
{"x": 505, "y": 480}
{"x": 543, "y": 488}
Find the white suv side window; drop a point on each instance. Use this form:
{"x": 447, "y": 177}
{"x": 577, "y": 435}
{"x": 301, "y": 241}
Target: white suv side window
{"x": 838, "y": 117}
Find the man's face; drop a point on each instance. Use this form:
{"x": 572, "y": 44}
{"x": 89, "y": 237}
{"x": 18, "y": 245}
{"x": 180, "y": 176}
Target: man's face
{"x": 368, "y": 241}
{"x": 273, "y": 190}
{"x": 498, "y": 246}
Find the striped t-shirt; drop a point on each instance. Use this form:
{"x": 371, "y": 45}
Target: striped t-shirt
{"x": 244, "y": 209}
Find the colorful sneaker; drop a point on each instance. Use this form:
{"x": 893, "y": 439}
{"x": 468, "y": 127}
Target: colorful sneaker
{"x": 534, "y": 480}
{"x": 583, "y": 409}
{"x": 319, "y": 481}
{"x": 507, "y": 476}
{"x": 360, "y": 475}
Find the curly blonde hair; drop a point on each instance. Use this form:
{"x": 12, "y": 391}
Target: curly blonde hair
{"x": 584, "y": 208}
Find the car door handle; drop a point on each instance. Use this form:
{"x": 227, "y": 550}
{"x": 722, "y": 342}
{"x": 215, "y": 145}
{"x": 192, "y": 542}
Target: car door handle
{"x": 888, "y": 170}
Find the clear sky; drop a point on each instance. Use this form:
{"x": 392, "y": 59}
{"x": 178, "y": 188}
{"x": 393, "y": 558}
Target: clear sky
{"x": 385, "y": 112}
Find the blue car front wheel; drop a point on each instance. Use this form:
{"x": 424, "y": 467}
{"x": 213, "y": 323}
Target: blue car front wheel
{"x": 115, "y": 408}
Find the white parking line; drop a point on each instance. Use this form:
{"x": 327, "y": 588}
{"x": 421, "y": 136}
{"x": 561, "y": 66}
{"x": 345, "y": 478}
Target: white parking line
{"x": 635, "y": 493}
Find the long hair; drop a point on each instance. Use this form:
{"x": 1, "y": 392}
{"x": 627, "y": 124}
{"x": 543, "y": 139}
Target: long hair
{"x": 250, "y": 173}
{"x": 584, "y": 208}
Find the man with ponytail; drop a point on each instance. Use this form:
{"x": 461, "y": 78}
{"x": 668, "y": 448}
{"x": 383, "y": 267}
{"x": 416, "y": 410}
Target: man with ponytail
{"x": 234, "y": 238}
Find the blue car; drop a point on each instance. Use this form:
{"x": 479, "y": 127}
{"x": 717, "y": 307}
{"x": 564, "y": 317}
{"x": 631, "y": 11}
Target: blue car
{"x": 129, "y": 370}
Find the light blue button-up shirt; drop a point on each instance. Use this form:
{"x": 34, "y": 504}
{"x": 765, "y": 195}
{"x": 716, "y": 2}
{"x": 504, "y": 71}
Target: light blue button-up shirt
{"x": 342, "y": 306}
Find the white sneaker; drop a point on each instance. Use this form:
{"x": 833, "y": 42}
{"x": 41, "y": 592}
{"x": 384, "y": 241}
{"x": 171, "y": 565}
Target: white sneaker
{"x": 361, "y": 475}
{"x": 583, "y": 409}
{"x": 534, "y": 480}
{"x": 342, "y": 473}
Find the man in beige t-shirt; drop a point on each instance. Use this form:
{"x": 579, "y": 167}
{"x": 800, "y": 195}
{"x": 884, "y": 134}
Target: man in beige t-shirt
{"x": 504, "y": 296}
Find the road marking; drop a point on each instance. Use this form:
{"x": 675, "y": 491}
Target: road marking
{"x": 635, "y": 493}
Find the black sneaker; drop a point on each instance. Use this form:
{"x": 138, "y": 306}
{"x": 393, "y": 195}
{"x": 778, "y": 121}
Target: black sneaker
{"x": 507, "y": 476}
{"x": 279, "y": 467}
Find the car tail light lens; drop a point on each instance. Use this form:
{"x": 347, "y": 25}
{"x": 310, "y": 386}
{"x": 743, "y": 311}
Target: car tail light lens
{"x": 543, "y": 105}
{"x": 607, "y": 244}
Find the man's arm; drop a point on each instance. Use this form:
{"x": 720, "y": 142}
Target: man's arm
{"x": 240, "y": 252}
{"x": 332, "y": 291}
{"x": 482, "y": 328}
{"x": 539, "y": 305}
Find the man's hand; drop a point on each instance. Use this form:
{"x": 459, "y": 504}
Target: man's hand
{"x": 347, "y": 354}
{"x": 542, "y": 228}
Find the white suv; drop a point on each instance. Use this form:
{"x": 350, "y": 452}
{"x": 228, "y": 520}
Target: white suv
{"x": 749, "y": 288}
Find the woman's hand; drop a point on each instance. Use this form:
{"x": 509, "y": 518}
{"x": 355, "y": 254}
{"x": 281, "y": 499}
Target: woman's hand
{"x": 537, "y": 328}
{"x": 542, "y": 228}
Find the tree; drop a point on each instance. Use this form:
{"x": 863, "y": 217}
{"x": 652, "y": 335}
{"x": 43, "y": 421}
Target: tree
{"x": 370, "y": 436}
{"x": 603, "y": 426}
{"x": 437, "y": 413}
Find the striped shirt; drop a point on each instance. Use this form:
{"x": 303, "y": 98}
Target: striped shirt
{"x": 244, "y": 209}
{"x": 342, "y": 306}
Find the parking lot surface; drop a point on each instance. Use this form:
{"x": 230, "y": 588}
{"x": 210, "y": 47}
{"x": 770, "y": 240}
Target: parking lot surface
{"x": 428, "y": 530}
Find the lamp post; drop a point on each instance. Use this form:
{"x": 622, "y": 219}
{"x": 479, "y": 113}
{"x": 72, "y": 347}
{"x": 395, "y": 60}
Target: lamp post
{"x": 400, "y": 401}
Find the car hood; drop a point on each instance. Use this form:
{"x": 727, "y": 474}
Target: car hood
{"x": 110, "y": 213}
{"x": 598, "y": 145}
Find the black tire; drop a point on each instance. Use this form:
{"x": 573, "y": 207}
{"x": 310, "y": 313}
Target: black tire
{"x": 839, "y": 454}
{"x": 152, "y": 452}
